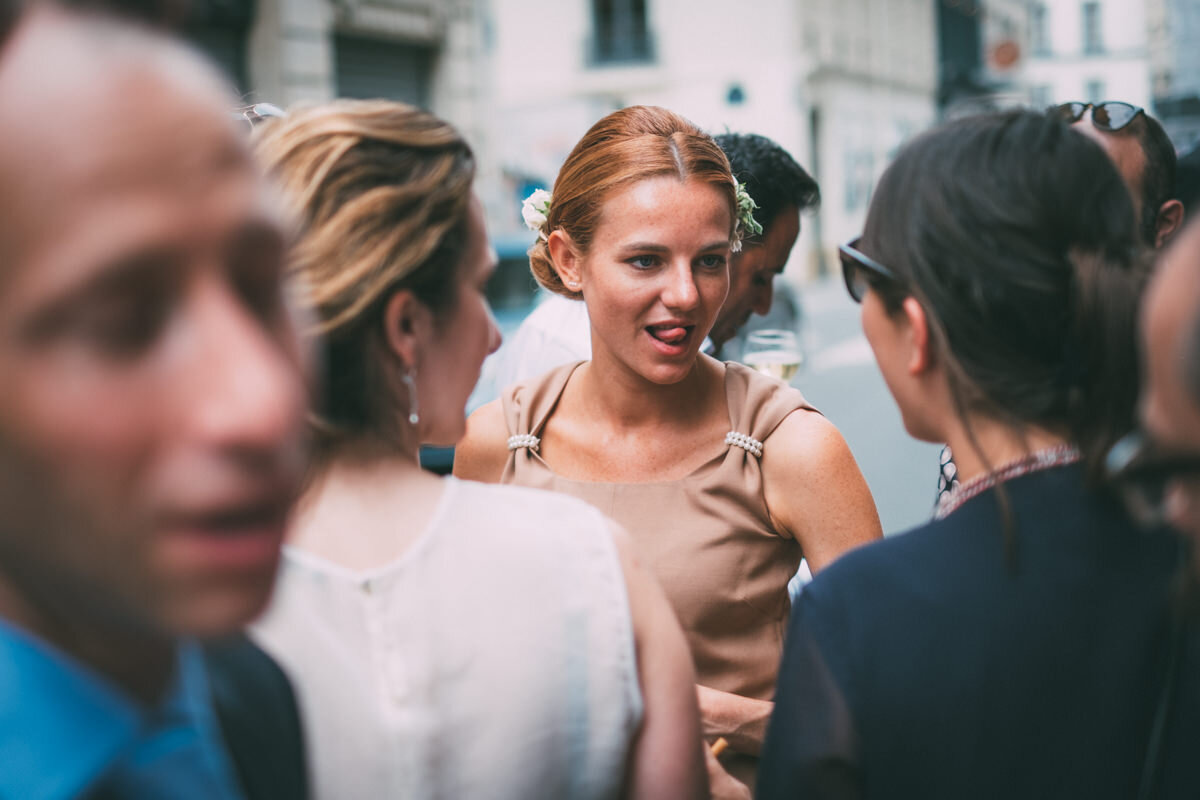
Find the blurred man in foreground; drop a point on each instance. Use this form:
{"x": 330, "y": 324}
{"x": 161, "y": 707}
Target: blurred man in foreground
{"x": 1166, "y": 466}
{"x": 150, "y": 443}
{"x": 1158, "y": 469}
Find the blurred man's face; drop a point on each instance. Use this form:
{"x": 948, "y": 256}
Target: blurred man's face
{"x": 1170, "y": 410}
{"x": 752, "y": 274}
{"x": 151, "y": 417}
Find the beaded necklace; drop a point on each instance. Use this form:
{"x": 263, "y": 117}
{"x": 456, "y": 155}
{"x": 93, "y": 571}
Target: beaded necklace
{"x": 1036, "y": 461}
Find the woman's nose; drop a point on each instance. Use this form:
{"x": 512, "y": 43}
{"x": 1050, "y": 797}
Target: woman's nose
{"x": 681, "y": 291}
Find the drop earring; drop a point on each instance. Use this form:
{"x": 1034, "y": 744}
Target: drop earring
{"x": 411, "y": 383}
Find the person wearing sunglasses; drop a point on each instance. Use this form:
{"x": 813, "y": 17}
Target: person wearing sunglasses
{"x": 1142, "y": 153}
{"x": 1012, "y": 647}
{"x": 1145, "y": 158}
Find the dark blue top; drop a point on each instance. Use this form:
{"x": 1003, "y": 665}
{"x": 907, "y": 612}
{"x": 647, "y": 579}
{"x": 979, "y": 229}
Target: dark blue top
{"x": 928, "y": 665}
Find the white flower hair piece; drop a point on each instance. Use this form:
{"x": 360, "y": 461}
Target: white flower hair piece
{"x": 535, "y": 211}
{"x": 747, "y": 225}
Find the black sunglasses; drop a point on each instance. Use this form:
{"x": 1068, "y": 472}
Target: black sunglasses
{"x": 857, "y": 269}
{"x": 1111, "y": 115}
{"x": 1143, "y": 475}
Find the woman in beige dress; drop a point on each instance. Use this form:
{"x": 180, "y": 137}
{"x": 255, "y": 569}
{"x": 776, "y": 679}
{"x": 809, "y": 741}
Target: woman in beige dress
{"x": 446, "y": 638}
{"x": 724, "y": 477}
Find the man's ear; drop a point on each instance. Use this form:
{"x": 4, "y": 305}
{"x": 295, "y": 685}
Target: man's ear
{"x": 406, "y": 325}
{"x": 566, "y": 261}
{"x": 1170, "y": 217}
{"x": 920, "y": 357}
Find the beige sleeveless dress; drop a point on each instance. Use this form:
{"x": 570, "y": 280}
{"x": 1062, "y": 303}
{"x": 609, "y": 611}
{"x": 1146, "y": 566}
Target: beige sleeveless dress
{"x": 708, "y": 536}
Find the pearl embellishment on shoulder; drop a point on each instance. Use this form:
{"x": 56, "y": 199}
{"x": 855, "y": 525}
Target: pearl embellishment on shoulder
{"x": 524, "y": 440}
{"x": 748, "y": 443}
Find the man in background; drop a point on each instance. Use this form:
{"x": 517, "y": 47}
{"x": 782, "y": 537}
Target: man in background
{"x": 783, "y": 191}
{"x": 1143, "y": 154}
{"x": 558, "y": 330}
{"x": 150, "y": 424}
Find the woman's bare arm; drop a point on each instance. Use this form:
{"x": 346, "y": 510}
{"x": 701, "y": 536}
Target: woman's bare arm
{"x": 741, "y": 721}
{"x": 483, "y": 451}
{"x": 814, "y": 492}
{"x": 668, "y": 755}
{"x": 814, "y": 489}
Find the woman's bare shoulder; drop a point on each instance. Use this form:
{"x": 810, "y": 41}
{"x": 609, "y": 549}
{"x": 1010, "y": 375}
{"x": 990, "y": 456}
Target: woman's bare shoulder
{"x": 814, "y": 489}
{"x": 805, "y": 439}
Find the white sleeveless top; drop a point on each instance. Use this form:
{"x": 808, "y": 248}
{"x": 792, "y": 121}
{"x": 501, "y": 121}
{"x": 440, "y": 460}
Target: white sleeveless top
{"x": 494, "y": 659}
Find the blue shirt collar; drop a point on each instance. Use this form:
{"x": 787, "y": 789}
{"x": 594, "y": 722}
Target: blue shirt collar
{"x": 62, "y": 726}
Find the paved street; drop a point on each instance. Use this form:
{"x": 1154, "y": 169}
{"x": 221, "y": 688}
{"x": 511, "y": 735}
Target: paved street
{"x": 842, "y": 380}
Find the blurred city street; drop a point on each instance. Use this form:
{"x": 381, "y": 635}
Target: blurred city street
{"x": 841, "y": 379}
{"x": 842, "y": 85}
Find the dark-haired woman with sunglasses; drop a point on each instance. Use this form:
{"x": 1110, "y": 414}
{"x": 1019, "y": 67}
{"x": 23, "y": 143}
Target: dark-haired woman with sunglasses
{"x": 1016, "y": 645}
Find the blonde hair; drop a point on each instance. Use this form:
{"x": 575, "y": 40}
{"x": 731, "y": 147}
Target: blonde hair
{"x": 381, "y": 191}
{"x": 624, "y": 147}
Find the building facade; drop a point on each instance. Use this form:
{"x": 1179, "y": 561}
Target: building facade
{"x": 1091, "y": 51}
{"x": 868, "y": 84}
{"x": 839, "y": 83}
{"x": 430, "y": 53}
{"x": 983, "y": 47}
{"x": 1174, "y": 34}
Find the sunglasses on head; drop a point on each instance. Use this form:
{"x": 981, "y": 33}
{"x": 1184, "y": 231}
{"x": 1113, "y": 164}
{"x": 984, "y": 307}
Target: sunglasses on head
{"x": 858, "y": 269}
{"x": 1111, "y": 115}
{"x": 259, "y": 112}
{"x": 1143, "y": 474}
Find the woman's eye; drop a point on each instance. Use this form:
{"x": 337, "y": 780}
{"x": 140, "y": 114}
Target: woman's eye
{"x": 712, "y": 262}
{"x": 644, "y": 262}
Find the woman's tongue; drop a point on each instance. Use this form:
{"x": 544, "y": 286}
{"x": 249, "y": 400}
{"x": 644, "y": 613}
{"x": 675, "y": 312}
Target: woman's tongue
{"x": 670, "y": 334}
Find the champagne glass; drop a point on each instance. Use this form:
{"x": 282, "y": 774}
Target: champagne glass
{"x": 774, "y": 352}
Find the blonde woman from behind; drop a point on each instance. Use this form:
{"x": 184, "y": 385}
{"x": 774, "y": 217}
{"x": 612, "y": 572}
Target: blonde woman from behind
{"x": 446, "y": 638}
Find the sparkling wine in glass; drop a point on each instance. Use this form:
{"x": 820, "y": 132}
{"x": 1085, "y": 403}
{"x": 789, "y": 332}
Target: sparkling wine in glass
{"x": 774, "y": 352}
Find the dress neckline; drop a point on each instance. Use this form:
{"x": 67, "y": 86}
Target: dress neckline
{"x": 368, "y": 578}
{"x": 700, "y": 471}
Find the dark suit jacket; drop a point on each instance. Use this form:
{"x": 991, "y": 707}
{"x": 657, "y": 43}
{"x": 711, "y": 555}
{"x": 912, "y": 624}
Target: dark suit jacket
{"x": 930, "y": 666}
{"x": 257, "y": 713}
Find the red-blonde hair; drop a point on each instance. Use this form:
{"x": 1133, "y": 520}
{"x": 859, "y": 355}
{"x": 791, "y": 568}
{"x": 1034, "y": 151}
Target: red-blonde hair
{"x": 627, "y": 146}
